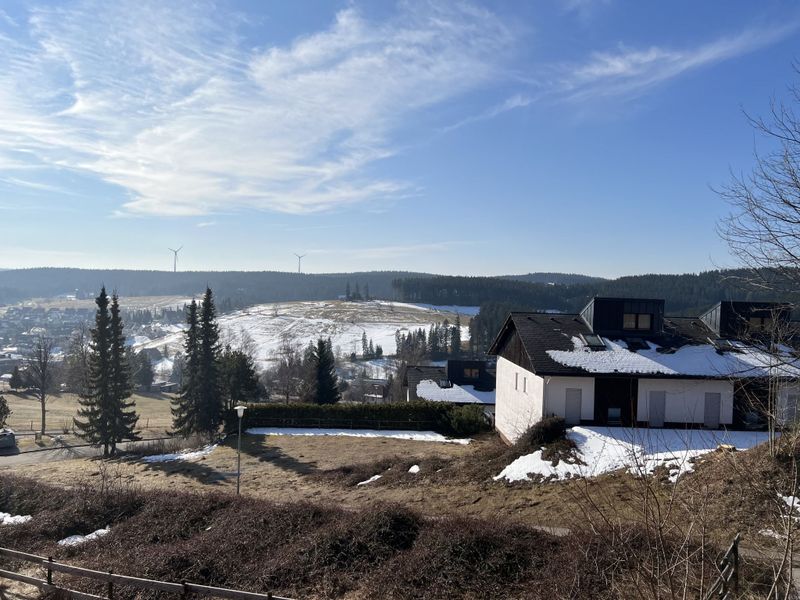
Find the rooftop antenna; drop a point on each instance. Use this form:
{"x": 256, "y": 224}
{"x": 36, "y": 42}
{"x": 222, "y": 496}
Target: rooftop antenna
{"x": 175, "y": 258}
{"x": 300, "y": 258}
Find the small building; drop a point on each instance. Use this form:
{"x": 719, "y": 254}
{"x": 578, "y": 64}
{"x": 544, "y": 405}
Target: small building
{"x": 458, "y": 382}
{"x": 621, "y": 361}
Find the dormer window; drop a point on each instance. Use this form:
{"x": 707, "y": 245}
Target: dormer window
{"x": 472, "y": 373}
{"x": 637, "y": 321}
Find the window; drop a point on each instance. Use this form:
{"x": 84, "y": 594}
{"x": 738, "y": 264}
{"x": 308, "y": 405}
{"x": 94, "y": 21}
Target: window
{"x": 594, "y": 341}
{"x": 614, "y": 415}
{"x": 637, "y": 321}
{"x": 516, "y": 381}
{"x": 759, "y": 323}
{"x": 472, "y": 373}
{"x": 525, "y": 385}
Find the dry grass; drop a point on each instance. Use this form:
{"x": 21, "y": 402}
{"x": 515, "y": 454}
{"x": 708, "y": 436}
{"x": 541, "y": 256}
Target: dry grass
{"x": 323, "y": 551}
{"x": 153, "y": 409}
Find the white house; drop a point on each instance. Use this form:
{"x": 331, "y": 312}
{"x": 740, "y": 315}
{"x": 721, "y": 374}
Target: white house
{"x": 622, "y": 362}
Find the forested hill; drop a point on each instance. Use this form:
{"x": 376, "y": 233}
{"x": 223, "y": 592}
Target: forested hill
{"x": 684, "y": 294}
{"x": 242, "y": 288}
{"x": 562, "y": 278}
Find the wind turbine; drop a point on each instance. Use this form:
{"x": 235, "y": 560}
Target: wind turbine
{"x": 300, "y": 258}
{"x": 175, "y": 260}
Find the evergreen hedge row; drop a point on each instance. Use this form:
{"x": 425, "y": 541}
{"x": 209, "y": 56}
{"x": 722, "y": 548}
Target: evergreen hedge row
{"x": 448, "y": 419}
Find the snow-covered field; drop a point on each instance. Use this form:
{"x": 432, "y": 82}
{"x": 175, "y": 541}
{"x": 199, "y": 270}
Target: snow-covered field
{"x": 640, "y": 451}
{"x": 271, "y": 325}
{"x": 395, "y": 434}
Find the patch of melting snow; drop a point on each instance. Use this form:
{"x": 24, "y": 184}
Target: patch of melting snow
{"x": 370, "y": 480}
{"x": 397, "y": 434}
{"x": 77, "y": 540}
{"x": 184, "y": 455}
{"x": 9, "y": 519}
{"x": 414, "y": 470}
{"x": 772, "y": 534}
{"x": 639, "y": 451}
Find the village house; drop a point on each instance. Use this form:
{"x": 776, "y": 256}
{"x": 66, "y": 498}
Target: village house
{"x": 621, "y": 361}
{"x": 457, "y": 382}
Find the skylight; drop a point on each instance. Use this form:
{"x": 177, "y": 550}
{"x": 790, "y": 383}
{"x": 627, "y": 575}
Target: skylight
{"x": 593, "y": 341}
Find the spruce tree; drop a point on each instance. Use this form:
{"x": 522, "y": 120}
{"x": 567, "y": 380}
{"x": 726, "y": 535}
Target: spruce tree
{"x": 327, "y": 382}
{"x": 16, "y": 379}
{"x": 5, "y": 411}
{"x": 211, "y": 406}
{"x": 185, "y": 420}
{"x": 106, "y": 417}
{"x": 93, "y": 423}
{"x": 123, "y": 413}
{"x": 455, "y": 338}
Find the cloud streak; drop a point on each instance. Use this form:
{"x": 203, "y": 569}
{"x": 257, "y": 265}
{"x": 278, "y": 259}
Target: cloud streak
{"x": 169, "y": 105}
{"x": 630, "y": 71}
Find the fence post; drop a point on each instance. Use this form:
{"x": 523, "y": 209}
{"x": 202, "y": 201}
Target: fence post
{"x": 735, "y": 575}
{"x": 111, "y": 587}
{"x": 49, "y": 570}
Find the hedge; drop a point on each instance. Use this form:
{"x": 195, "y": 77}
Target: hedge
{"x": 445, "y": 418}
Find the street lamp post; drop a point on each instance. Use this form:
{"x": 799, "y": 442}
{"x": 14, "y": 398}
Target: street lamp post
{"x": 240, "y": 412}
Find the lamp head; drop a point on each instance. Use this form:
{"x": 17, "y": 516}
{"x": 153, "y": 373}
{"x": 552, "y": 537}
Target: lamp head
{"x": 240, "y": 410}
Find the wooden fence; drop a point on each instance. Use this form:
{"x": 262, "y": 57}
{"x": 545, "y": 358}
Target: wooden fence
{"x": 728, "y": 582}
{"x": 112, "y": 580}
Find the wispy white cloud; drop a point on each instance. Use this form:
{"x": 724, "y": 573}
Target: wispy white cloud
{"x": 519, "y": 100}
{"x": 632, "y": 71}
{"x": 204, "y": 224}
{"x": 165, "y": 102}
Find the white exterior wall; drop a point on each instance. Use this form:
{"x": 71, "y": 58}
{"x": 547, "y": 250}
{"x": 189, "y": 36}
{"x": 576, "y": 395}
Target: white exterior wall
{"x": 555, "y": 395}
{"x": 786, "y": 413}
{"x": 519, "y": 397}
{"x": 685, "y": 399}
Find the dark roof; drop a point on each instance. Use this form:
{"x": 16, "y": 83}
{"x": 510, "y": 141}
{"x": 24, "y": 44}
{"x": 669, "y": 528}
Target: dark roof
{"x": 540, "y": 332}
{"x": 413, "y": 374}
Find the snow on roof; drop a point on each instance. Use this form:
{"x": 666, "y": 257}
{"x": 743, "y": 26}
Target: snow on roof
{"x": 457, "y": 394}
{"x": 690, "y": 360}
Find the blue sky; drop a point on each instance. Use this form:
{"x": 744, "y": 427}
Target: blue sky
{"x": 465, "y": 138}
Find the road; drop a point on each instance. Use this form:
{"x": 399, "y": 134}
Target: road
{"x": 63, "y": 452}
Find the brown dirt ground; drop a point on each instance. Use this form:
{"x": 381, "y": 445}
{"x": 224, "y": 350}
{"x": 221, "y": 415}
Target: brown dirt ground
{"x": 290, "y": 469}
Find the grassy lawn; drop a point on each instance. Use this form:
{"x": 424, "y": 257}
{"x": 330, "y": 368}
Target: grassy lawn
{"x": 153, "y": 409}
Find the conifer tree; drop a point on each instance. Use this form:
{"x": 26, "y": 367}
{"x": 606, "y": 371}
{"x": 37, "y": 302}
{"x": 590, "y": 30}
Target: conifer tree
{"x": 185, "y": 406}
{"x": 347, "y": 291}
{"x": 5, "y": 411}
{"x": 364, "y": 345}
{"x": 455, "y": 338}
{"x": 16, "y": 379}
{"x": 199, "y": 407}
{"x": 105, "y": 416}
{"x": 211, "y": 405}
{"x": 123, "y": 413}
{"x": 327, "y": 382}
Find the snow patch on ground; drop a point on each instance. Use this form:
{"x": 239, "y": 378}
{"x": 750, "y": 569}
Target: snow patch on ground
{"x": 639, "y": 451}
{"x": 458, "y": 394}
{"x": 77, "y": 540}
{"x": 370, "y": 480}
{"x": 184, "y": 455}
{"x": 414, "y": 469}
{"x": 8, "y": 519}
{"x": 397, "y": 434}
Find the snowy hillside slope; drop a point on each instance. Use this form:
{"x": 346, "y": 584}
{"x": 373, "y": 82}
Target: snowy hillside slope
{"x": 344, "y": 322}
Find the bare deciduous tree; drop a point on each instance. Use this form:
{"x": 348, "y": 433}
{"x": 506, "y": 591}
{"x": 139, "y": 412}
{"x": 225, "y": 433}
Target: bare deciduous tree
{"x": 40, "y": 367}
{"x": 763, "y": 228}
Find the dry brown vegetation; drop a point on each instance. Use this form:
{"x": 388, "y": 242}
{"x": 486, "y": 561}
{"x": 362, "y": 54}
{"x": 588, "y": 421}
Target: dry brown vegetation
{"x": 307, "y": 550}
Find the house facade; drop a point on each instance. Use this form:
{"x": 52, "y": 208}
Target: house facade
{"x": 621, "y": 361}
